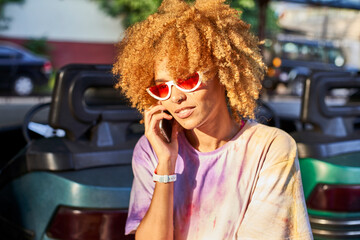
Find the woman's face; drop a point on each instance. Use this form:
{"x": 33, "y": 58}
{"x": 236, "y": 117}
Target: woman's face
{"x": 195, "y": 109}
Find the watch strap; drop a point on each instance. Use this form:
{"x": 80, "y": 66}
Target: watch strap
{"x": 164, "y": 178}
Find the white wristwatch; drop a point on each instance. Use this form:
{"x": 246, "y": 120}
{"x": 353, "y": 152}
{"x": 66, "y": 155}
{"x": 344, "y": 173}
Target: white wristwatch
{"x": 164, "y": 178}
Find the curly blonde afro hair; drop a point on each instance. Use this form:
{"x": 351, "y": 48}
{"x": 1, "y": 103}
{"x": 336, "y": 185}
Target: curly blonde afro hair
{"x": 193, "y": 37}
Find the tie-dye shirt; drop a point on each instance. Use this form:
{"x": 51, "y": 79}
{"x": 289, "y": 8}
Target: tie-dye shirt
{"x": 249, "y": 188}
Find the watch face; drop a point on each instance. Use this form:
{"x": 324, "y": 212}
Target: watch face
{"x": 164, "y": 179}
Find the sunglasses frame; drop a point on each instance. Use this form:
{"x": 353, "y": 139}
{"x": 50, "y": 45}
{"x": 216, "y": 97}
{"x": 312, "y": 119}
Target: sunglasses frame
{"x": 172, "y": 83}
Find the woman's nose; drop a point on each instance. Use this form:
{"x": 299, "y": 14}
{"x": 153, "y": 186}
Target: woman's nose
{"x": 177, "y": 96}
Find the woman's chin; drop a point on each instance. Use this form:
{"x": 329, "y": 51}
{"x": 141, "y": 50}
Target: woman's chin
{"x": 189, "y": 124}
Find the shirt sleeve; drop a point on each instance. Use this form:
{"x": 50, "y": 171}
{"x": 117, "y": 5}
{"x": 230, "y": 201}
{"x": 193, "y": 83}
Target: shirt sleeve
{"x": 143, "y": 165}
{"x": 277, "y": 208}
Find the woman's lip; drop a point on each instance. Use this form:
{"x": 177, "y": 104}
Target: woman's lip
{"x": 184, "y": 112}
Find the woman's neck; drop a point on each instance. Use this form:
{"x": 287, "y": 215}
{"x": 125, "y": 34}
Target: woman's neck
{"x": 214, "y": 134}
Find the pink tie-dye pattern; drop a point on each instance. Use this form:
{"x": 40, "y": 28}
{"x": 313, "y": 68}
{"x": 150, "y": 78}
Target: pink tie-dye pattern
{"x": 250, "y": 188}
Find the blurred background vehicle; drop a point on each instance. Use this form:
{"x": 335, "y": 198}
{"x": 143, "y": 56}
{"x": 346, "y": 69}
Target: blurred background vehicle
{"x": 21, "y": 71}
{"x": 296, "y": 58}
{"x": 315, "y": 36}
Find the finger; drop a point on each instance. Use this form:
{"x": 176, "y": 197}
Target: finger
{"x": 154, "y": 118}
{"x": 154, "y": 123}
{"x": 150, "y": 112}
{"x": 153, "y": 110}
{"x": 146, "y": 113}
{"x": 159, "y": 116}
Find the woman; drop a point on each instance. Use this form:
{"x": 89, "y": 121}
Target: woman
{"x": 222, "y": 175}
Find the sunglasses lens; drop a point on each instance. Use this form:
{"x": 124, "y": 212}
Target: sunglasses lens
{"x": 160, "y": 90}
{"x": 189, "y": 83}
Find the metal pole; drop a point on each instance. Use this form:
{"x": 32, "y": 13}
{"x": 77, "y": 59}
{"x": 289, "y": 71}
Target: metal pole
{"x": 262, "y": 18}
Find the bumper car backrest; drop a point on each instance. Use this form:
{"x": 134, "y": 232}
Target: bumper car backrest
{"x": 70, "y": 111}
{"x": 332, "y": 129}
{"x": 98, "y": 130}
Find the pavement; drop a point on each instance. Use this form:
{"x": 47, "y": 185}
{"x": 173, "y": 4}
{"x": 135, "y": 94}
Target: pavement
{"x": 13, "y": 110}
{"x": 4, "y": 100}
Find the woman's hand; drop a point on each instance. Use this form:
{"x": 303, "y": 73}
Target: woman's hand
{"x": 166, "y": 152}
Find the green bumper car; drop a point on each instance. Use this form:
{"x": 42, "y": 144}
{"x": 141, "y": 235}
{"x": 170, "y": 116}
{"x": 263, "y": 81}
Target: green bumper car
{"x": 329, "y": 155}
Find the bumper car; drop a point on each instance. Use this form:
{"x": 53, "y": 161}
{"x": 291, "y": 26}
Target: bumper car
{"x": 329, "y": 155}
{"x": 76, "y": 186}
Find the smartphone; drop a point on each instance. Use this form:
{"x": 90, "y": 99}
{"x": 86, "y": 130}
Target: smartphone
{"x": 165, "y": 127}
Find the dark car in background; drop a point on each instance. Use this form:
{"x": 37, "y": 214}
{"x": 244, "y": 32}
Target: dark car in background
{"x": 21, "y": 71}
{"x": 297, "y": 58}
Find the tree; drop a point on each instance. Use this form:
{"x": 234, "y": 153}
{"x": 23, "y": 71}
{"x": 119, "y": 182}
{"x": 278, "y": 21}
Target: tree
{"x": 4, "y": 20}
{"x": 132, "y": 10}
{"x": 250, "y": 14}
{"x": 137, "y": 10}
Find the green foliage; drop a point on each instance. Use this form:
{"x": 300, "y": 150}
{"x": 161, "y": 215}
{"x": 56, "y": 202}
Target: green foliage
{"x": 133, "y": 11}
{"x": 137, "y": 10}
{"x": 38, "y": 46}
{"x": 4, "y": 20}
{"x": 4, "y": 2}
{"x": 250, "y": 14}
